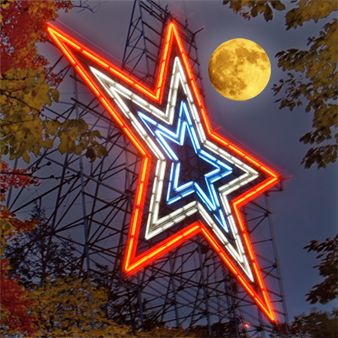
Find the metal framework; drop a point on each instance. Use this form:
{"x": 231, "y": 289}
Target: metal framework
{"x": 88, "y": 206}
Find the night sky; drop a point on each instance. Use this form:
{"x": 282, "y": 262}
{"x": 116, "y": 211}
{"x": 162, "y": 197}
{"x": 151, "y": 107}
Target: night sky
{"x": 306, "y": 209}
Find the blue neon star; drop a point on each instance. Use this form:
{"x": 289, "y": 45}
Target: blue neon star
{"x": 176, "y": 191}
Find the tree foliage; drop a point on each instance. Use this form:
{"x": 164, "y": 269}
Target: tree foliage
{"x": 327, "y": 253}
{"x": 10, "y": 225}
{"x": 15, "y": 305}
{"x": 316, "y": 324}
{"x": 28, "y": 84}
{"x": 319, "y": 324}
{"x": 310, "y": 74}
{"x": 35, "y": 257}
{"x": 307, "y": 10}
{"x": 251, "y": 8}
{"x": 15, "y": 300}
{"x": 312, "y": 80}
{"x": 74, "y": 307}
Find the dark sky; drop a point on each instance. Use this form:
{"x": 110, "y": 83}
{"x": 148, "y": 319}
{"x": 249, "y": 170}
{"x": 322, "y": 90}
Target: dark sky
{"x": 306, "y": 209}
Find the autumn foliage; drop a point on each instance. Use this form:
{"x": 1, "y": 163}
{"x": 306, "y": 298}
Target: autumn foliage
{"x": 15, "y": 300}
{"x": 10, "y": 225}
{"x": 14, "y": 178}
{"x": 74, "y": 307}
{"x": 29, "y": 83}
{"x": 15, "y": 304}
{"x": 22, "y": 27}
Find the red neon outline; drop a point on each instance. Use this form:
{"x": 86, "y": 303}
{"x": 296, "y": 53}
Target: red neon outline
{"x": 133, "y": 263}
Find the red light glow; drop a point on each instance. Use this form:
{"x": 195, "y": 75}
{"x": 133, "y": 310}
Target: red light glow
{"x": 134, "y": 262}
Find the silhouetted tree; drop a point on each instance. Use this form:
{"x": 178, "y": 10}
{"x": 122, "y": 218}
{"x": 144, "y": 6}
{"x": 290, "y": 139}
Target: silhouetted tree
{"x": 319, "y": 324}
{"x": 327, "y": 253}
{"x": 36, "y": 256}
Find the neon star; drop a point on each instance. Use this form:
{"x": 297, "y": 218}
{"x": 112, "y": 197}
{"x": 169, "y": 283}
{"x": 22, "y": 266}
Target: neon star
{"x": 156, "y": 120}
{"x": 175, "y": 191}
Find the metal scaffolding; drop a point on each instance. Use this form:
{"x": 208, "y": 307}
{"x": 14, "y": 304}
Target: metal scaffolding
{"x": 88, "y": 205}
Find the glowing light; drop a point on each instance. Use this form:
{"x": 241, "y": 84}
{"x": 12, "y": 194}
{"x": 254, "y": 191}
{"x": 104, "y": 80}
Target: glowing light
{"x": 246, "y": 325}
{"x": 157, "y": 225}
{"x": 109, "y": 83}
{"x": 176, "y": 192}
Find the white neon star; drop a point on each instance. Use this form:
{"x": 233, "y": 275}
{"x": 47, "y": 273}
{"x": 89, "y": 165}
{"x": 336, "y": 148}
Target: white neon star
{"x": 155, "y": 224}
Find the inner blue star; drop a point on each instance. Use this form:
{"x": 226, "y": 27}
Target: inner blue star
{"x": 176, "y": 191}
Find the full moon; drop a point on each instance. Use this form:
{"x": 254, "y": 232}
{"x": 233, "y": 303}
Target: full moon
{"x": 239, "y": 69}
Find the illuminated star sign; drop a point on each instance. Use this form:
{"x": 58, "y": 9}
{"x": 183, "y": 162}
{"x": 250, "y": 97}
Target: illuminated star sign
{"x": 175, "y": 192}
{"x": 168, "y": 124}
